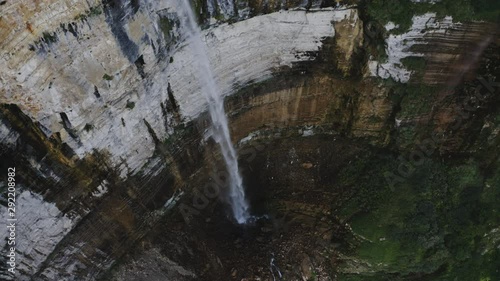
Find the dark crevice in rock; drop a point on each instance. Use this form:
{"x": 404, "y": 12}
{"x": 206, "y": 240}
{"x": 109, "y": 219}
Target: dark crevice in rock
{"x": 164, "y": 115}
{"x": 45, "y": 41}
{"x": 139, "y": 64}
{"x": 23, "y": 124}
{"x": 135, "y": 4}
{"x": 96, "y": 92}
{"x": 171, "y": 98}
{"x": 171, "y": 106}
{"x": 162, "y": 194}
{"x": 71, "y": 27}
{"x": 67, "y": 125}
{"x": 328, "y": 3}
{"x": 152, "y": 43}
{"x": 308, "y": 5}
{"x": 117, "y": 12}
{"x": 156, "y": 140}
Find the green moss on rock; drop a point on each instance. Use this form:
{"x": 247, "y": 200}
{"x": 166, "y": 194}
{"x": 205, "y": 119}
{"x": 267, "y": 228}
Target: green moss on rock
{"x": 435, "y": 225}
{"x": 107, "y": 77}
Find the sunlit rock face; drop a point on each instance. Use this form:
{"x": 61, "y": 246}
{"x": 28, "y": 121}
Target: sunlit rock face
{"x": 102, "y": 113}
{"x": 96, "y": 63}
{"x": 41, "y": 226}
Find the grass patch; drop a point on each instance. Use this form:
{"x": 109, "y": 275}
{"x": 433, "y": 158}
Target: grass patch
{"x": 416, "y": 99}
{"x": 107, "y": 77}
{"x": 130, "y": 105}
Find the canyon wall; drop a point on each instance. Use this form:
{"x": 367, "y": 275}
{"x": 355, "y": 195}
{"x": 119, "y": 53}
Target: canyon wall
{"x": 101, "y": 111}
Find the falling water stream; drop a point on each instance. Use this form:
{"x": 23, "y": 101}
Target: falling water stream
{"x": 215, "y": 102}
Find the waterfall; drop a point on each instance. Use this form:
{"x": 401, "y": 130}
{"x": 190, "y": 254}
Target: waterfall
{"x": 215, "y": 102}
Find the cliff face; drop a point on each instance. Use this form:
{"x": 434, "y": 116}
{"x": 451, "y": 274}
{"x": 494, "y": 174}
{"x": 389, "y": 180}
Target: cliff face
{"x": 102, "y": 111}
{"x": 95, "y": 87}
{"x": 106, "y": 58}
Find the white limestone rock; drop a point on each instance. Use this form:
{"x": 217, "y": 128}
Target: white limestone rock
{"x": 44, "y": 84}
{"x": 39, "y": 228}
{"x": 399, "y": 46}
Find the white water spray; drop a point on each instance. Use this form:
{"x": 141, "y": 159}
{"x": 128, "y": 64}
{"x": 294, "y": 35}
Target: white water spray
{"x": 220, "y": 126}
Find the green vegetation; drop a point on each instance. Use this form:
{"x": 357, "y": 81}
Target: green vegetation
{"x": 415, "y": 102}
{"x": 219, "y": 16}
{"x": 49, "y": 37}
{"x": 401, "y": 11}
{"x": 166, "y": 26}
{"x": 361, "y": 177}
{"x": 200, "y": 10}
{"x": 416, "y": 99}
{"x": 130, "y": 105}
{"x": 414, "y": 63}
{"x": 107, "y": 77}
{"x": 179, "y": 132}
{"x": 92, "y": 12}
{"x": 439, "y": 224}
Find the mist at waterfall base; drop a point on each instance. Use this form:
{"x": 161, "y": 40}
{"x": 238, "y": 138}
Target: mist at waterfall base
{"x": 220, "y": 128}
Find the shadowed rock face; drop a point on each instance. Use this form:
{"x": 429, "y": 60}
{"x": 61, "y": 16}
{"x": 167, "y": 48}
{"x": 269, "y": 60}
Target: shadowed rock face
{"x": 101, "y": 113}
